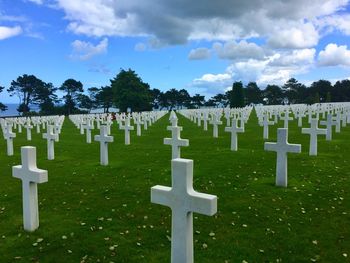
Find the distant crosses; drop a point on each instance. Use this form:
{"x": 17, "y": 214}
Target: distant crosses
{"x": 286, "y": 118}
{"x": 233, "y": 129}
{"x": 175, "y": 141}
{"x": 313, "y": 131}
{"x": 266, "y": 124}
{"x": 215, "y": 122}
{"x": 173, "y": 119}
{"x": 104, "y": 139}
{"x": 205, "y": 120}
{"x": 127, "y": 128}
{"x": 337, "y": 122}
{"x": 329, "y": 123}
{"x": 29, "y": 127}
{"x": 300, "y": 115}
{"x": 9, "y": 135}
{"x": 282, "y": 147}
{"x": 88, "y": 127}
{"x": 183, "y": 201}
{"x": 51, "y": 137}
{"x": 30, "y": 176}
{"x": 138, "y": 122}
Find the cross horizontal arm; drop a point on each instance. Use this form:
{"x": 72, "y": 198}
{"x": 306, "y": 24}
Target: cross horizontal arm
{"x": 205, "y": 204}
{"x": 161, "y": 195}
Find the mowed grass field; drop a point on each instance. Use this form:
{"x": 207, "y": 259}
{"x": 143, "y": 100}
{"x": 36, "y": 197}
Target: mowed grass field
{"x": 92, "y": 213}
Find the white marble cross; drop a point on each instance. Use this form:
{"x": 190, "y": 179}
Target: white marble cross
{"x": 51, "y": 137}
{"x": 215, "y": 122}
{"x": 9, "y": 135}
{"x": 183, "y": 201}
{"x": 173, "y": 119}
{"x": 29, "y": 130}
{"x": 88, "y": 126}
{"x": 313, "y": 131}
{"x": 175, "y": 141}
{"x": 329, "y": 123}
{"x": 337, "y": 122}
{"x": 282, "y": 147}
{"x": 286, "y": 118}
{"x": 30, "y": 176}
{"x": 205, "y": 120}
{"x": 104, "y": 139}
{"x": 138, "y": 122}
{"x": 266, "y": 124}
{"x": 233, "y": 129}
{"x": 127, "y": 128}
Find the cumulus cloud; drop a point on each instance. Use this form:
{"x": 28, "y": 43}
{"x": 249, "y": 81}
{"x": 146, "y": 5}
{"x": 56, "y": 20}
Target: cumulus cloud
{"x": 334, "y": 55}
{"x": 140, "y": 47}
{"x": 176, "y": 22}
{"x": 297, "y": 57}
{"x": 211, "y": 84}
{"x": 38, "y": 2}
{"x": 199, "y": 54}
{"x": 241, "y": 50}
{"x": 7, "y": 32}
{"x": 301, "y": 36}
{"x": 336, "y": 22}
{"x": 85, "y": 50}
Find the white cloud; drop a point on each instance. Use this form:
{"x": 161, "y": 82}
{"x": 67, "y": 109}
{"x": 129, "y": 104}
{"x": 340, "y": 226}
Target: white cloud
{"x": 336, "y": 22}
{"x": 85, "y": 50}
{"x": 38, "y": 2}
{"x": 199, "y": 54}
{"x": 176, "y": 22}
{"x": 334, "y": 55}
{"x": 7, "y": 32}
{"x": 295, "y": 57}
{"x": 140, "y": 47}
{"x": 233, "y": 50}
{"x": 211, "y": 84}
{"x": 302, "y": 36}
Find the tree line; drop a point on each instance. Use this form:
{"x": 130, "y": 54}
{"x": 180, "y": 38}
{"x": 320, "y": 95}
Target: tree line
{"x": 128, "y": 91}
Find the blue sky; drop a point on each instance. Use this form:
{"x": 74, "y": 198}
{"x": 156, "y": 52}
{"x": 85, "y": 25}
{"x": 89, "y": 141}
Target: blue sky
{"x": 200, "y": 45}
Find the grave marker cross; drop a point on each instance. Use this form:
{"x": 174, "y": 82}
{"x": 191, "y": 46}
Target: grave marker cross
{"x": 313, "y": 131}
{"x": 104, "y": 139}
{"x": 282, "y": 147}
{"x": 183, "y": 201}
{"x": 30, "y": 176}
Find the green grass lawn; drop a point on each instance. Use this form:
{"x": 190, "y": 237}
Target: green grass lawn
{"x": 91, "y": 213}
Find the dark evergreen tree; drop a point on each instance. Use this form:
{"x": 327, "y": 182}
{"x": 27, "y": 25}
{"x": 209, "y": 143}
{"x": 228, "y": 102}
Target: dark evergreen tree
{"x": 237, "y": 95}
{"x": 131, "y": 92}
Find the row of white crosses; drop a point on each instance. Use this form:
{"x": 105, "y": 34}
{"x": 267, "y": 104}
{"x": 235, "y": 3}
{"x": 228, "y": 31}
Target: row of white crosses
{"x": 233, "y": 116}
{"x": 182, "y": 198}
{"x": 86, "y": 122}
{"x": 9, "y": 135}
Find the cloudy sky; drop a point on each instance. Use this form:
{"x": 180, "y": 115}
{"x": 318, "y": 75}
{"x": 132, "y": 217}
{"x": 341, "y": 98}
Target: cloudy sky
{"x": 200, "y": 45}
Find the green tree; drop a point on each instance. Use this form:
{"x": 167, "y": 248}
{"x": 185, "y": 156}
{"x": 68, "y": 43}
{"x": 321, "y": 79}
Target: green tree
{"x": 156, "y": 97}
{"x": 220, "y": 100}
{"x": 84, "y": 102}
{"x": 253, "y": 93}
{"x": 198, "y": 100}
{"x": 184, "y": 99}
{"x": 25, "y": 88}
{"x": 130, "y": 91}
{"x": 237, "y": 95}
{"x": 3, "y": 107}
{"x": 322, "y": 87}
{"x": 294, "y": 91}
{"x": 105, "y": 98}
{"x": 46, "y": 98}
{"x": 273, "y": 95}
{"x": 341, "y": 91}
{"x": 72, "y": 88}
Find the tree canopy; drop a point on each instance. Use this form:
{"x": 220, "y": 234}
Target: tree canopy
{"x": 127, "y": 90}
